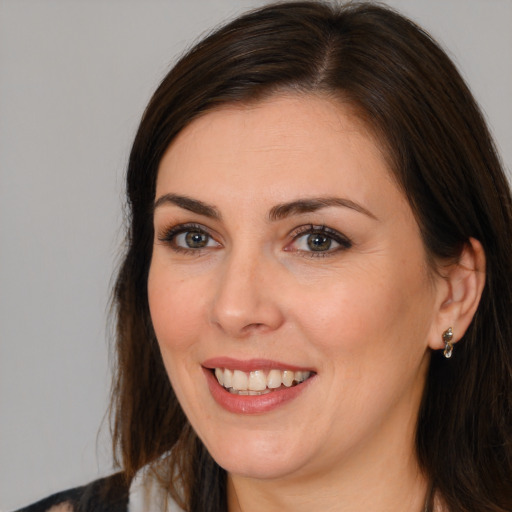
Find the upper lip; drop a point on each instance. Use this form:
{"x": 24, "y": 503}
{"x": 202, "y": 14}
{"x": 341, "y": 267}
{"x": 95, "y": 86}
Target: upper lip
{"x": 250, "y": 365}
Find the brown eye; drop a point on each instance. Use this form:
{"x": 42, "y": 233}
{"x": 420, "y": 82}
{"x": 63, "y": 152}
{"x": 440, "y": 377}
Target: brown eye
{"x": 196, "y": 239}
{"x": 319, "y": 242}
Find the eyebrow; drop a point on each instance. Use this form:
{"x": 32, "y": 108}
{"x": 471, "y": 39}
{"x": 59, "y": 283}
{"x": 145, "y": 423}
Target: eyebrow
{"x": 277, "y": 212}
{"x": 283, "y": 210}
{"x": 187, "y": 203}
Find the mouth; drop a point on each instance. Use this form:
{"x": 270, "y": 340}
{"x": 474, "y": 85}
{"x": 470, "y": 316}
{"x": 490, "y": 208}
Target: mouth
{"x": 258, "y": 382}
{"x": 255, "y": 386}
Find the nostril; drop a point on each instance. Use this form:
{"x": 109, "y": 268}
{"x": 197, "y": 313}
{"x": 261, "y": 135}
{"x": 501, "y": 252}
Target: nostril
{"x": 253, "y": 326}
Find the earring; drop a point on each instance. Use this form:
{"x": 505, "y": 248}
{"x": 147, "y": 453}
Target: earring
{"x": 448, "y": 345}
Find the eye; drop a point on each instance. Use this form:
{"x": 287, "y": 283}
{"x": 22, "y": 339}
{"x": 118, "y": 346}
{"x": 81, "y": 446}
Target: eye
{"x": 318, "y": 239}
{"x": 188, "y": 238}
{"x": 316, "y": 242}
{"x": 192, "y": 240}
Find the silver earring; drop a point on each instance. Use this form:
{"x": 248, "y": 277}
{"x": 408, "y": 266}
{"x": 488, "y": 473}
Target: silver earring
{"x": 448, "y": 345}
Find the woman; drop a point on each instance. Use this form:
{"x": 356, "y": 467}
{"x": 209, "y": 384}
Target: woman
{"x": 314, "y": 308}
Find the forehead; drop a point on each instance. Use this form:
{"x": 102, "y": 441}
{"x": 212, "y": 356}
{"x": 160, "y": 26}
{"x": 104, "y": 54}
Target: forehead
{"x": 285, "y": 145}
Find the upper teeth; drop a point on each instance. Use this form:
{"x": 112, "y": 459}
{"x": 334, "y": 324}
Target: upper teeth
{"x": 258, "y": 380}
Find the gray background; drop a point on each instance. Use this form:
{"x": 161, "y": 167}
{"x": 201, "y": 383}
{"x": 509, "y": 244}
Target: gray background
{"x": 74, "y": 79}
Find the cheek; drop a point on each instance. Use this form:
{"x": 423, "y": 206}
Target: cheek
{"x": 378, "y": 312}
{"x": 370, "y": 334}
{"x": 174, "y": 307}
{"x": 175, "y": 313}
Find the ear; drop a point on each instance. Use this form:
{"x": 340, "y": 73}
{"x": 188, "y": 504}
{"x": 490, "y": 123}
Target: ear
{"x": 459, "y": 291}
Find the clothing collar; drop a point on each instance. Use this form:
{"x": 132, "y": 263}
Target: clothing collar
{"x": 146, "y": 493}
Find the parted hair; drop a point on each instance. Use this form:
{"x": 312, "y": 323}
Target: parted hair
{"x": 409, "y": 93}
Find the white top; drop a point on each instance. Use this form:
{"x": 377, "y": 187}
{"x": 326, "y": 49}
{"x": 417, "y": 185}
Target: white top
{"x": 146, "y": 494}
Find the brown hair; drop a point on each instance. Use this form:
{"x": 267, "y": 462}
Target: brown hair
{"x": 406, "y": 88}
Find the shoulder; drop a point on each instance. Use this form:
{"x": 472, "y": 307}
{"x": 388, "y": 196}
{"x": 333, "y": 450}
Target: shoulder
{"x": 108, "y": 494}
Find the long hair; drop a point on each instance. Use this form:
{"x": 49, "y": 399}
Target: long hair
{"x": 405, "y": 88}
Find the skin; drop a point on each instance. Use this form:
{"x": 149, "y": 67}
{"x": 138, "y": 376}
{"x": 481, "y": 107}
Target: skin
{"x": 361, "y": 315}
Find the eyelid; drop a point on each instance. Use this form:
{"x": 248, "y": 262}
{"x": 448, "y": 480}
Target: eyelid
{"x": 168, "y": 236}
{"x": 169, "y": 232}
{"x": 308, "y": 229}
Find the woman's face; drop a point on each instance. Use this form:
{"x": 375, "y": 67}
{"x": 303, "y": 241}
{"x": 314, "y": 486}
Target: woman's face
{"x": 287, "y": 261}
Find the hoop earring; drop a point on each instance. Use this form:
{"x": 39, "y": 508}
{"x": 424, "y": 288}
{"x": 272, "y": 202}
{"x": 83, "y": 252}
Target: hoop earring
{"x": 448, "y": 345}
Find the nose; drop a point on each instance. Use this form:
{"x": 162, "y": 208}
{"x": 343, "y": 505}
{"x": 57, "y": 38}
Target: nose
{"x": 246, "y": 298}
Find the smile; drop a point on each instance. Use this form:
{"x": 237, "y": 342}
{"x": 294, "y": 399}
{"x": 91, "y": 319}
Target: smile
{"x": 258, "y": 382}
{"x": 256, "y": 386}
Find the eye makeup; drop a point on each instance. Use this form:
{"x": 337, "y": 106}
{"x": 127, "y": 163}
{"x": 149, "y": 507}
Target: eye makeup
{"x": 308, "y": 240}
{"x": 188, "y": 238}
{"x": 317, "y": 241}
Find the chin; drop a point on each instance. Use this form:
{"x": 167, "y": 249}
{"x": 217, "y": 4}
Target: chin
{"x": 258, "y": 455}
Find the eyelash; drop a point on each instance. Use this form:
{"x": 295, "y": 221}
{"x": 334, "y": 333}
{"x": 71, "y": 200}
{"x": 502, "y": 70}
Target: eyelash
{"x": 333, "y": 235}
{"x": 170, "y": 234}
{"x": 169, "y": 237}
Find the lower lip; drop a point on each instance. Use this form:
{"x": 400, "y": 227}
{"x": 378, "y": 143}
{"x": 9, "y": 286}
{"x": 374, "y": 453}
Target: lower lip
{"x": 252, "y": 404}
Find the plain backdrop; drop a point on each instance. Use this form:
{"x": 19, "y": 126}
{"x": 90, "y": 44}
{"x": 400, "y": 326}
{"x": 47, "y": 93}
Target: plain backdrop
{"x": 74, "y": 79}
